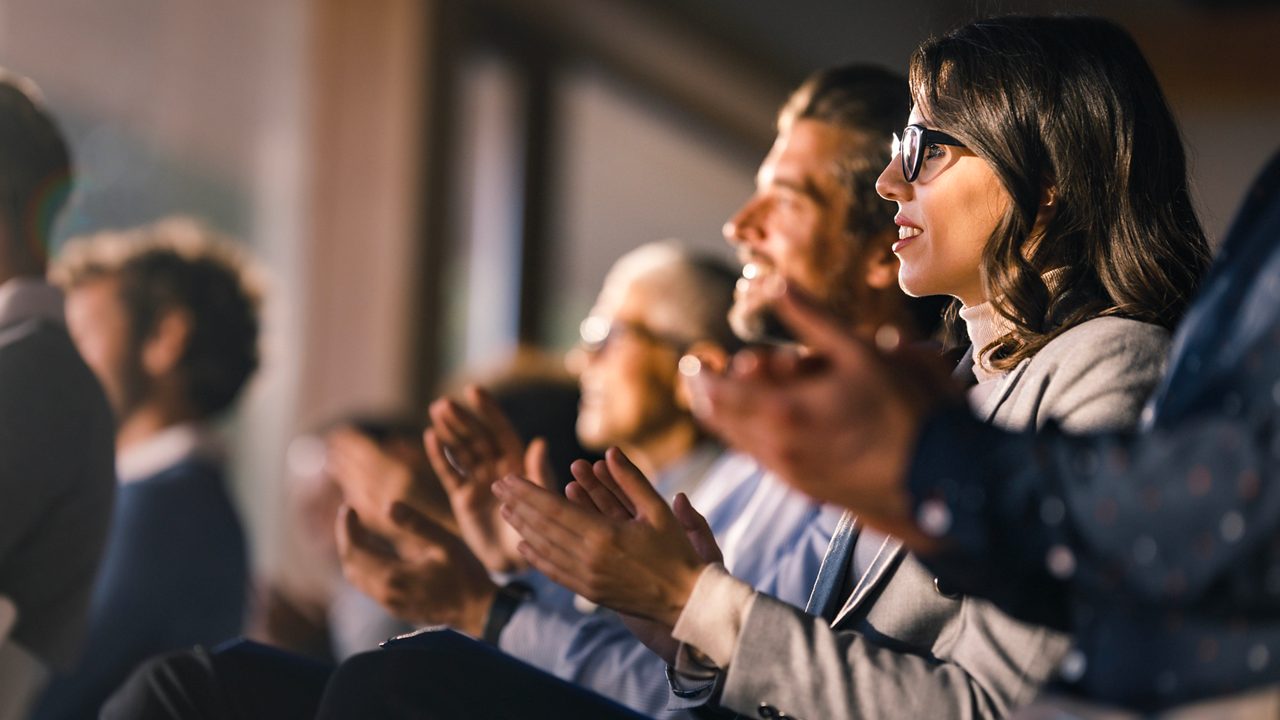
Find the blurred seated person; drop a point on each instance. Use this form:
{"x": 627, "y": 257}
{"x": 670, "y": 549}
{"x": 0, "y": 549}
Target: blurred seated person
{"x": 657, "y": 302}
{"x": 166, "y": 315}
{"x": 55, "y": 451}
{"x": 303, "y": 605}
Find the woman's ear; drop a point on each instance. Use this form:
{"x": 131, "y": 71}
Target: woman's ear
{"x": 1048, "y": 201}
{"x": 714, "y": 359}
{"x": 1047, "y": 209}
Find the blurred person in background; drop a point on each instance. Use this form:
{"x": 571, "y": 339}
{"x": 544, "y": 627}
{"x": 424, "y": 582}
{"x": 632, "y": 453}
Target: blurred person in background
{"x": 309, "y": 608}
{"x": 166, "y": 315}
{"x": 657, "y": 303}
{"x": 305, "y": 606}
{"x": 56, "y": 454}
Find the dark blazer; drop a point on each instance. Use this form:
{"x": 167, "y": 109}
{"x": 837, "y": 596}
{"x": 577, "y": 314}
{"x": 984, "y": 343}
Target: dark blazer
{"x": 56, "y": 486}
{"x": 175, "y": 574}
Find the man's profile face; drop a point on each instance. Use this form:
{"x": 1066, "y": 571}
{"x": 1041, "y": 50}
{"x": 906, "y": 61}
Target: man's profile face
{"x": 629, "y": 383}
{"x": 795, "y": 227}
{"x": 100, "y": 328}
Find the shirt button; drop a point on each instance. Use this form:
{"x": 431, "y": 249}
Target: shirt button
{"x": 943, "y": 590}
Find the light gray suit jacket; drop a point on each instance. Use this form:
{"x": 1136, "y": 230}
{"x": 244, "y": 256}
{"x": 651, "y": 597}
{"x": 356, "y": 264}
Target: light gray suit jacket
{"x": 900, "y": 647}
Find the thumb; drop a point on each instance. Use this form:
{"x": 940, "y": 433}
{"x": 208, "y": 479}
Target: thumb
{"x": 697, "y": 530}
{"x": 634, "y": 485}
{"x": 537, "y": 465}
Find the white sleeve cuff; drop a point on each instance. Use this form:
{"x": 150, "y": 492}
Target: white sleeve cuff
{"x": 712, "y": 620}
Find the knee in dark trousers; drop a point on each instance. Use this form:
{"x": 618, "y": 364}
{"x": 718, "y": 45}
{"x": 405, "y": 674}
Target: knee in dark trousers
{"x": 168, "y": 687}
{"x": 241, "y": 680}
{"x": 443, "y": 675}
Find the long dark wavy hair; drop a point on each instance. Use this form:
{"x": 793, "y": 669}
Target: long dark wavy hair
{"x": 1068, "y": 108}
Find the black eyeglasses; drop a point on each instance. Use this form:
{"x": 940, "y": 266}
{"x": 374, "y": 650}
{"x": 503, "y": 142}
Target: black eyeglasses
{"x": 596, "y": 332}
{"x": 915, "y": 138}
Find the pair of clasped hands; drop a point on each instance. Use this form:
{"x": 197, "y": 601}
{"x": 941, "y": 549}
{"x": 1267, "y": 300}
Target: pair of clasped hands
{"x": 836, "y": 420}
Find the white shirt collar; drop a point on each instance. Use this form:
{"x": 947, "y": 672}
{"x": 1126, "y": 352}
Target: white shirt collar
{"x": 29, "y": 298}
{"x": 167, "y": 448}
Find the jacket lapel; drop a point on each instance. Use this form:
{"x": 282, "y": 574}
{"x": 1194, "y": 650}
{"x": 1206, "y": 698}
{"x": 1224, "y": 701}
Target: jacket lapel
{"x": 887, "y": 559}
{"x": 963, "y": 372}
{"x": 836, "y": 565}
{"x": 992, "y": 405}
{"x": 892, "y": 551}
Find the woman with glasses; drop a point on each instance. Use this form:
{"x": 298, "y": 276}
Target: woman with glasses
{"x": 1041, "y": 182}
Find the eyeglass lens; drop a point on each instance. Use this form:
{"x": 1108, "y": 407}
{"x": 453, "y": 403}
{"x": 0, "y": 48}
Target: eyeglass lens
{"x": 910, "y": 153}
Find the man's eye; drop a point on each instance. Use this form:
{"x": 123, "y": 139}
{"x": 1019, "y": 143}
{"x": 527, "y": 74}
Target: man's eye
{"x": 784, "y": 199}
{"x": 933, "y": 151}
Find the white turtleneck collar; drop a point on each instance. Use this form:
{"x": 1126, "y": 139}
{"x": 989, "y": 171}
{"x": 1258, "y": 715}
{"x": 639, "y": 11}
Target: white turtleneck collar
{"x": 984, "y": 325}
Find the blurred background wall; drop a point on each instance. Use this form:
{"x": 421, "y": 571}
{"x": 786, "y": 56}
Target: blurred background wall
{"x": 429, "y": 182}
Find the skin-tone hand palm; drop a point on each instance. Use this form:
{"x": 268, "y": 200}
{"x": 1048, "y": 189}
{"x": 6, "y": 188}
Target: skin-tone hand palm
{"x": 470, "y": 446}
{"x": 614, "y": 541}
{"x": 374, "y": 477}
{"x": 425, "y": 575}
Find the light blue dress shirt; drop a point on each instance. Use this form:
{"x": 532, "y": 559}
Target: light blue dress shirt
{"x": 771, "y": 536}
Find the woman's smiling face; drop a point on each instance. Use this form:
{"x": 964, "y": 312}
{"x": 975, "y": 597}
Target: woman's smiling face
{"x": 945, "y": 219}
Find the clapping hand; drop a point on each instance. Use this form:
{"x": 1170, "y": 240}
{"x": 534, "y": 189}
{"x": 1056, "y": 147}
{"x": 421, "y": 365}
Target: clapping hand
{"x": 425, "y": 575}
{"x": 837, "y": 420}
{"x": 373, "y": 477}
{"x": 614, "y": 540}
{"x": 593, "y": 488}
{"x": 470, "y": 446}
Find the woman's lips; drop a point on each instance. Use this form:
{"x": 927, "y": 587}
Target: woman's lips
{"x": 906, "y": 232}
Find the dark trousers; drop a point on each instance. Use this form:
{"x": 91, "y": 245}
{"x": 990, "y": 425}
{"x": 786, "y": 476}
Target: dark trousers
{"x": 443, "y": 675}
{"x": 240, "y": 680}
{"x": 436, "y": 675}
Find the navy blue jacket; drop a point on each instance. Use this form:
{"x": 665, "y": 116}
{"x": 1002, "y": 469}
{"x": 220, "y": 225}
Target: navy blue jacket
{"x": 175, "y": 574}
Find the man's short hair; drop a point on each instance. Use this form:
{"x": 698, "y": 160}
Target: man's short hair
{"x": 869, "y": 102}
{"x": 35, "y": 165}
{"x": 180, "y": 264}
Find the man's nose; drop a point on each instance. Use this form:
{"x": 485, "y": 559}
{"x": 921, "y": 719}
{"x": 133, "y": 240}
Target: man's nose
{"x": 744, "y": 226}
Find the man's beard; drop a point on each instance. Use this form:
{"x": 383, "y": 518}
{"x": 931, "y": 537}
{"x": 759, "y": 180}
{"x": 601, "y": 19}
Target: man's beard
{"x": 760, "y": 326}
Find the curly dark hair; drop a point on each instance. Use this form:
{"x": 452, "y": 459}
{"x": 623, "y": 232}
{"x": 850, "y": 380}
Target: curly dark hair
{"x": 180, "y": 264}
